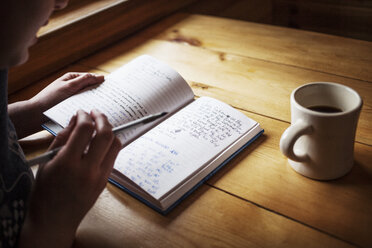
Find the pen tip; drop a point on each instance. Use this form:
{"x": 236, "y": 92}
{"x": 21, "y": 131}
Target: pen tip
{"x": 163, "y": 113}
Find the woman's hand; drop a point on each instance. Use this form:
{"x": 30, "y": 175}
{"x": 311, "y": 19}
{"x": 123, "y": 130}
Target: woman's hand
{"x": 64, "y": 87}
{"x": 68, "y": 186}
{"x": 27, "y": 116}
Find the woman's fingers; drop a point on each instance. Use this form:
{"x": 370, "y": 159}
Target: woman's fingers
{"x": 102, "y": 139}
{"x": 80, "y": 136}
{"x": 62, "y": 136}
{"x": 93, "y": 131}
{"x": 82, "y": 80}
{"x": 70, "y": 75}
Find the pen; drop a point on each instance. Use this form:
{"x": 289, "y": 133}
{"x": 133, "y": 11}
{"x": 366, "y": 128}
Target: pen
{"x": 50, "y": 154}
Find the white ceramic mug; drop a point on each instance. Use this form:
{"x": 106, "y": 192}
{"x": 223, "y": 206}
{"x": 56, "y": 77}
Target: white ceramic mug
{"x": 320, "y": 141}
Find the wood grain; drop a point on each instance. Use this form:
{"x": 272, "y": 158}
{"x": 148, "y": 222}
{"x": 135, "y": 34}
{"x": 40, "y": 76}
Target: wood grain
{"x": 319, "y": 52}
{"x": 237, "y": 78}
{"x": 204, "y": 219}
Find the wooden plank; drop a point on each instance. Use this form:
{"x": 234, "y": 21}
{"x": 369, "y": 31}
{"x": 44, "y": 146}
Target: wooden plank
{"x": 75, "y": 11}
{"x": 242, "y": 77}
{"x": 208, "y": 218}
{"x": 319, "y": 52}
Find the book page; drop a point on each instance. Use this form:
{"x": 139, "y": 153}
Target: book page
{"x": 168, "y": 154}
{"x": 142, "y": 87}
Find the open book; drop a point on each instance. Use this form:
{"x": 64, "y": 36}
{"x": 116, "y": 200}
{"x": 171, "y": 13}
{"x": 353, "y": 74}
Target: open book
{"x": 163, "y": 161}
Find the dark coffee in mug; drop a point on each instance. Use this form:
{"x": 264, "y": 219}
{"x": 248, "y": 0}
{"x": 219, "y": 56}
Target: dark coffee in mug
{"x": 325, "y": 109}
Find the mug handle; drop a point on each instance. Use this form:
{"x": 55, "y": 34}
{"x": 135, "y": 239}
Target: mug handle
{"x": 289, "y": 138}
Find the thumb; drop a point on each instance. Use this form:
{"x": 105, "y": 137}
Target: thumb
{"x": 63, "y": 135}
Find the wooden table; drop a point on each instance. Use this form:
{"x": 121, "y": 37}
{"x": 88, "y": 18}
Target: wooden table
{"x": 257, "y": 200}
